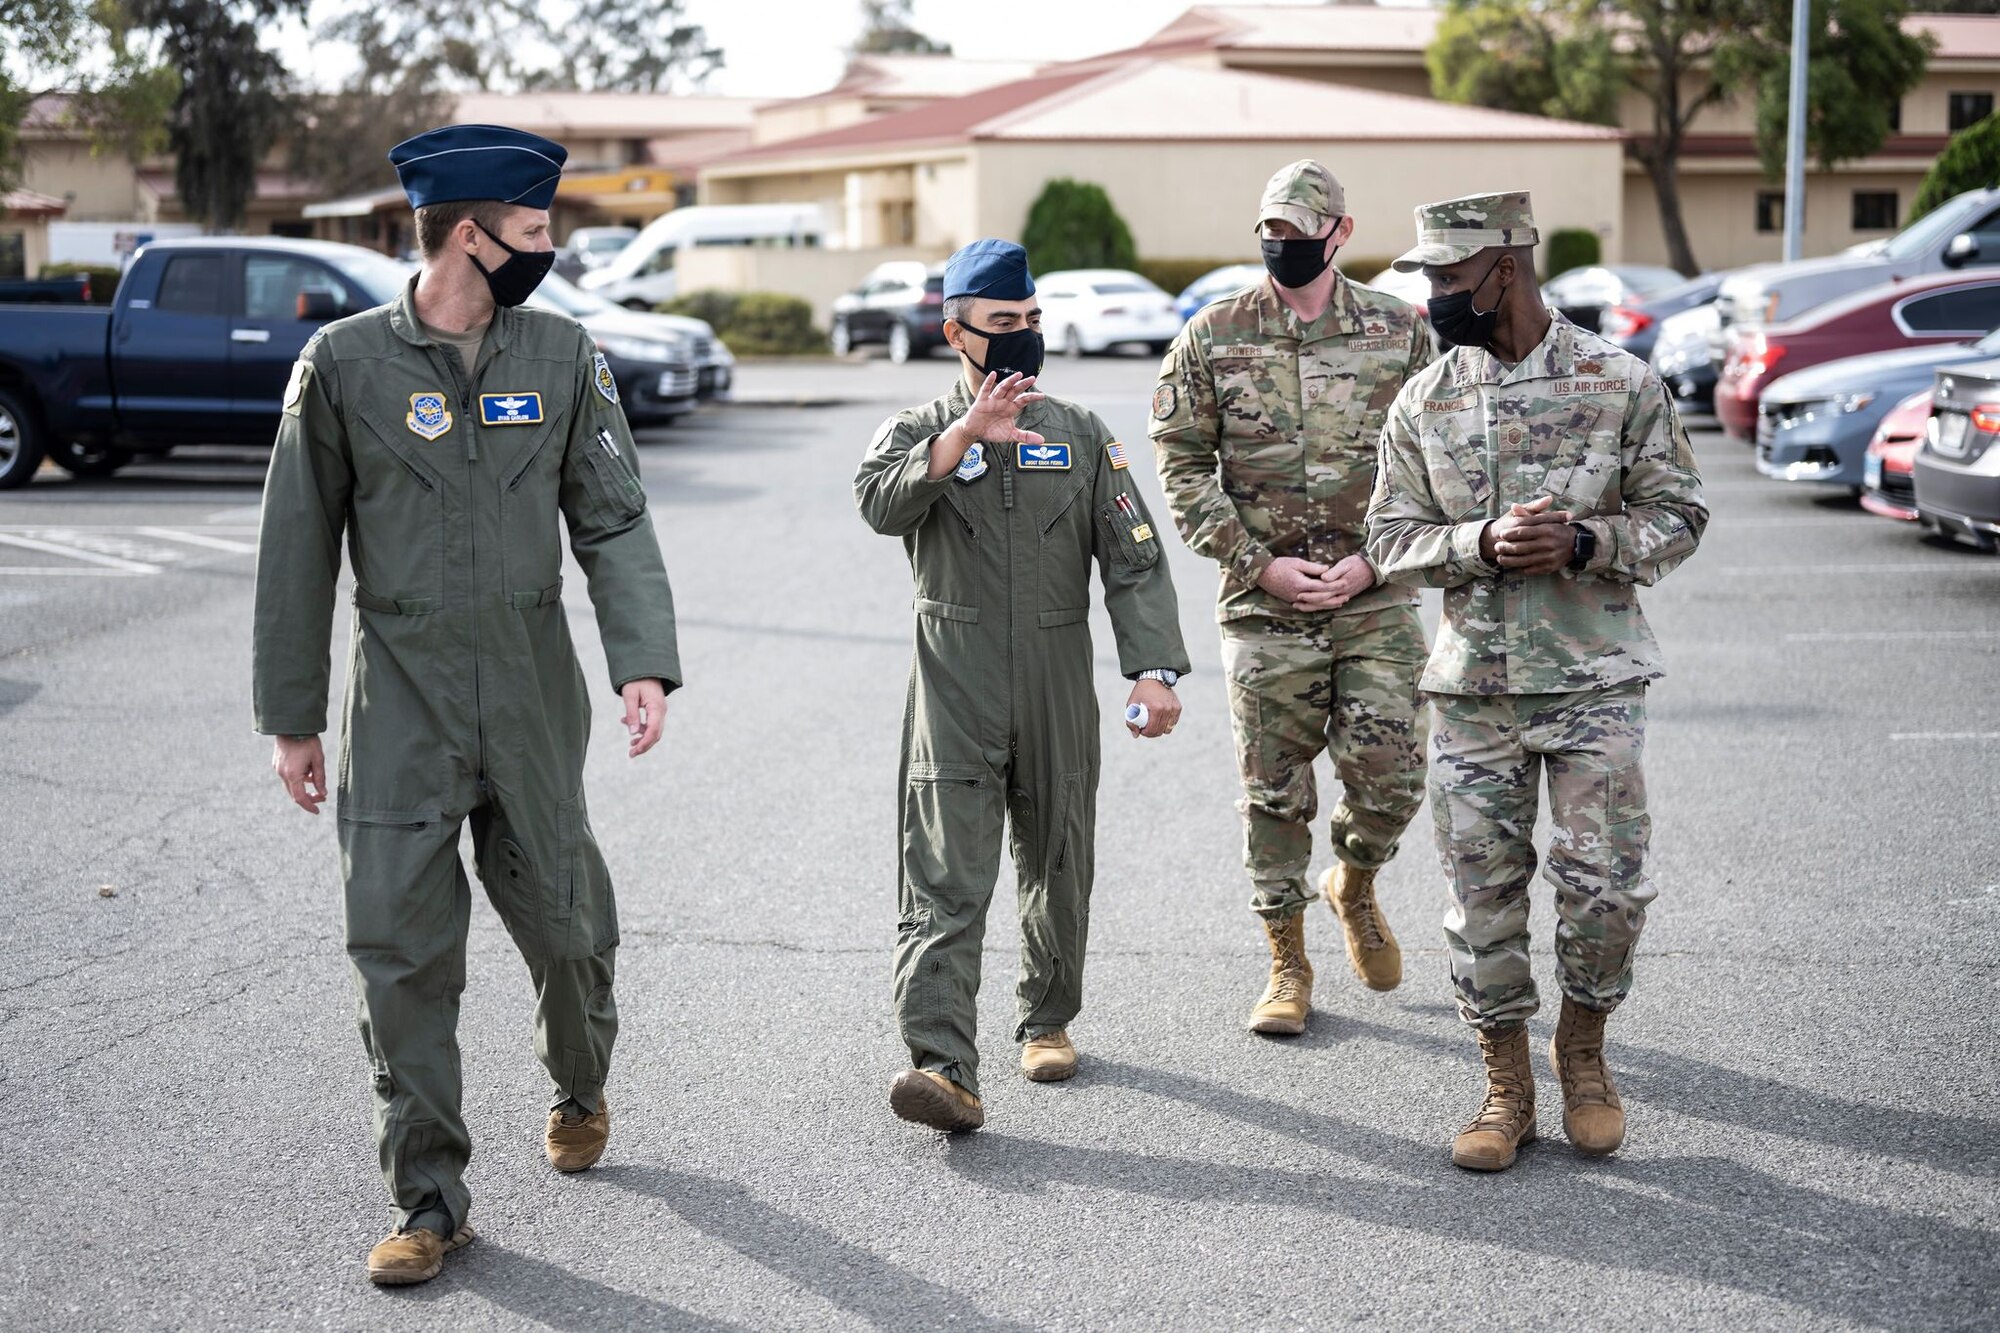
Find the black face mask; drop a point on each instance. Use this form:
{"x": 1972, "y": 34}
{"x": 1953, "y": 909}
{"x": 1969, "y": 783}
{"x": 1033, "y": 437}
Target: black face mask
{"x": 1016, "y": 352}
{"x": 1296, "y": 263}
{"x": 514, "y": 281}
{"x": 1457, "y": 322}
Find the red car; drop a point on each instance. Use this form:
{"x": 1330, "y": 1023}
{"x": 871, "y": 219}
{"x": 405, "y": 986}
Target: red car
{"x": 1938, "y": 308}
{"x": 1892, "y": 455}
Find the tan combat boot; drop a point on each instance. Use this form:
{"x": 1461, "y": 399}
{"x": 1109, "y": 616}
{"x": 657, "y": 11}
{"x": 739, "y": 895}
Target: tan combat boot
{"x": 1593, "y": 1117}
{"x": 1506, "y": 1119}
{"x": 1371, "y": 950}
{"x": 1288, "y": 998}
{"x": 924, "y": 1098}
{"x": 1049, "y": 1058}
{"x": 402, "y": 1258}
{"x": 576, "y": 1138}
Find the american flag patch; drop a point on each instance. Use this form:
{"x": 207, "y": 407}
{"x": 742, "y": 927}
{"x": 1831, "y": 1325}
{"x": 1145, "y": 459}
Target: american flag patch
{"x": 1116, "y": 453}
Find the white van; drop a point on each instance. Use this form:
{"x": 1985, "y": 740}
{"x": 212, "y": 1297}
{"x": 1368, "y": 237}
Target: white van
{"x": 642, "y": 274}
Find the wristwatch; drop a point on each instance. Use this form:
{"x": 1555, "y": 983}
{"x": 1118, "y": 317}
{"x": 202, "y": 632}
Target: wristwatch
{"x": 1161, "y": 674}
{"x": 1583, "y": 549}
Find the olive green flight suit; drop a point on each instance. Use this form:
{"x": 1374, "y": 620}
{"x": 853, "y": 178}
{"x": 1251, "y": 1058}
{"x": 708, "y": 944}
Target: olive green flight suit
{"x": 464, "y": 696}
{"x": 1002, "y": 715}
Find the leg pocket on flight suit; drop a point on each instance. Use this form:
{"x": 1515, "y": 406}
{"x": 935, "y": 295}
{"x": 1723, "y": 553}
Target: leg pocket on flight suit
{"x": 384, "y": 857}
{"x": 945, "y": 811}
{"x": 581, "y": 917}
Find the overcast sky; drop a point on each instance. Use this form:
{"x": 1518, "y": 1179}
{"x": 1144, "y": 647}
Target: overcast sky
{"x": 790, "y": 48}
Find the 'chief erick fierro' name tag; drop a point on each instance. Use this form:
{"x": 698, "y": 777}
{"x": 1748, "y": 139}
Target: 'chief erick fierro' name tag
{"x": 510, "y": 409}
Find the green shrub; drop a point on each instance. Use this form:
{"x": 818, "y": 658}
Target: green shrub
{"x": 755, "y": 323}
{"x": 1173, "y": 275}
{"x": 1971, "y": 161}
{"x": 1572, "y": 247}
{"x": 103, "y": 278}
{"x": 1073, "y": 225}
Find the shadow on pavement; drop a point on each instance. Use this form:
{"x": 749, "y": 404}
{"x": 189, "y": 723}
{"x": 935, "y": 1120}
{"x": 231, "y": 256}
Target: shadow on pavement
{"x": 548, "y": 1294}
{"x": 839, "y": 1271}
{"x": 1702, "y": 1219}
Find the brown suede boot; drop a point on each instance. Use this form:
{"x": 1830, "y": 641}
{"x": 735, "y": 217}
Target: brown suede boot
{"x": 1048, "y": 1059}
{"x": 576, "y": 1138}
{"x": 924, "y": 1098}
{"x": 1506, "y": 1119}
{"x": 1288, "y": 998}
{"x": 1593, "y": 1117}
{"x": 403, "y": 1258}
{"x": 1371, "y": 950}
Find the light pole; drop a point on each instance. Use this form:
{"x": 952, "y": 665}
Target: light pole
{"x": 1795, "y": 134}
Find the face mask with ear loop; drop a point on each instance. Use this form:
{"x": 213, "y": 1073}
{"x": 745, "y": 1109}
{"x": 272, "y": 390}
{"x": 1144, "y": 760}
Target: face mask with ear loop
{"x": 516, "y": 279}
{"x": 1458, "y": 322}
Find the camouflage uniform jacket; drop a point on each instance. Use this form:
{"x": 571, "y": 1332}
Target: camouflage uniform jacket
{"x": 1266, "y": 431}
{"x": 1579, "y": 419}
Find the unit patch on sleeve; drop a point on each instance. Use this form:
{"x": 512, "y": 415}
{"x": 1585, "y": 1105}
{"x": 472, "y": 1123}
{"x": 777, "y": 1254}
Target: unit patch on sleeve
{"x": 1116, "y": 453}
{"x": 1165, "y": 399}
{"x": 510, "y": 409}
{"x": 1050, "y": 457}
{"x": 607, "y": 384}
{"x": 428, "y": 415}
{"x": 295, "y": 387}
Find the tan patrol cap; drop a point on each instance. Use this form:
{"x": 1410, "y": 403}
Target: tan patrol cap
{"x": 1458, "y": 229}
{"x": 1304, "y": 194}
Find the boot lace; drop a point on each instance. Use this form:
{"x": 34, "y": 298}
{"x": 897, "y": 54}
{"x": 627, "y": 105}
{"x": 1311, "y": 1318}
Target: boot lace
{"x": 1507, "y": 1095}
{"x": 1585, "y": 1080}
{"x": 1362, "y": 916}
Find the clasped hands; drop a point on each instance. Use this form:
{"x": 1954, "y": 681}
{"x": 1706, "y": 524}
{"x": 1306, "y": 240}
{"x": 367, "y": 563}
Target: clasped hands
{"x": 1530, "y": 538}
{"x": 1307, "y": 585}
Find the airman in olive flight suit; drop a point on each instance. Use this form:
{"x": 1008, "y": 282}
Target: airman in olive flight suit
{"x": 451, "y": 481}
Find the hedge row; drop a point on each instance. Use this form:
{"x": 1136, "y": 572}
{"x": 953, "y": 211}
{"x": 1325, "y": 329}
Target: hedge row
{"x": 755, "y": 323}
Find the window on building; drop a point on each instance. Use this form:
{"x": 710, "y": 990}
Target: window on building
{"x": 1896, "y": 116}
{"x": 1966, "y": 310}
{"x": 1969, "y": 109}
{"x": 191, "y": 285}
{"x": 13, "y": 255}
{"x": 1874, "y": 210}
{"x": 1770, "y": 210}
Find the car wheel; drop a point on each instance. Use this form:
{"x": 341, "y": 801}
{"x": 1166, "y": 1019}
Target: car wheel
{"x": 1158, "y": 348}
{"x": 88, "y": 460}
{"x": 840, "y": 339}
{"x": 20, "y": 442}
{"x": 1072, "y": 342}
{"x": 634, "y": 303}
{"x": 899, "y": 342}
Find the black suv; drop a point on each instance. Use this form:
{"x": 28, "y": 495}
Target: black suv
{"x": 900, "y": 304}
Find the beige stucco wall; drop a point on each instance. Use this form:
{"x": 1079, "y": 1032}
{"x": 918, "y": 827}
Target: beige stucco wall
{"x": 98, "y": 188}
{"x": 937, "y": 189}
{"x": 1720, "y": 209}
{"x": 1154, "y": 187}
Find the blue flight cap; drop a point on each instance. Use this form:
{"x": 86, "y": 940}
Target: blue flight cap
{"x": 483, "y": 162}
{"x": 990, "y": 268}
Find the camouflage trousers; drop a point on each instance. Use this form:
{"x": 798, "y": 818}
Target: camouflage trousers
{"x": 1342, "y": 684}
{"x": 1488, "y": 754}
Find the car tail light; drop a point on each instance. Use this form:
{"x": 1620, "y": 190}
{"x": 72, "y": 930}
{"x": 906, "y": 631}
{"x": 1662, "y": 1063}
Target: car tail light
{"x": 86, "y": 289}
{"x": 1752, "y": 359}
{"x": 1622, "y": 322}
{"x": 1986, "y": 417}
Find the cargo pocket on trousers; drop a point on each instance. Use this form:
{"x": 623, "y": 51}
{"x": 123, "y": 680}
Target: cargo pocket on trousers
{"x": 1627, "y": 827}
{"x": 945, "y": 806}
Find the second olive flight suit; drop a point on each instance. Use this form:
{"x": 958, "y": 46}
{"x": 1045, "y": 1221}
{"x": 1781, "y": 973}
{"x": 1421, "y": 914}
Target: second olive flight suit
{"x": 464, "y": 695}
{"x": 1002, "y": 718}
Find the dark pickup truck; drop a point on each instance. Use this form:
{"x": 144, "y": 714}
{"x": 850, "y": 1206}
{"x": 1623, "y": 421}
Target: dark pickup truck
{"x": 194, "y": 349}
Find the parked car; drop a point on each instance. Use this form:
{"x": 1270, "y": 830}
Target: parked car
{"x": 714, "y": 364}
{"x": 641, "y": 275}
{"x": 1684, "y": 357}
{"x": 1094, "y": 309}
{"x": 1956, "y": 484}
{"x": 1635, "y": 324}
{"x": 594, "y": 247}
{"x": 1584, "y": 294}
{"x": 195, "y": 348}
{"x": 1887, "y": 488}
{"x": 653, "y": 365}
{"x": 1214, "y": 285}
{"x": 1814, "y": 425}
{"x": 1944, "y": 308}
{"x": 1962, "y": 232}
{"x": 1412, "y": 287}
{"x": 899, "y": 304}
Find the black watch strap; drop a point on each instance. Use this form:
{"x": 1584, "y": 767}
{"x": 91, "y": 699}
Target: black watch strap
{"x": 1583, "y": 548}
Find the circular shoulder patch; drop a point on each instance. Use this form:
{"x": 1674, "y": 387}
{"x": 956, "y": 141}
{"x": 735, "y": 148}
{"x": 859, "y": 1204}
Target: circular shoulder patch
{"x": 1165, "y": 399}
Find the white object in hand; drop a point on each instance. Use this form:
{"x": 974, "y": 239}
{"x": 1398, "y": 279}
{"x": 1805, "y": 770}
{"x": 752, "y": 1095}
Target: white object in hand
{"x": 1137, "y": 716}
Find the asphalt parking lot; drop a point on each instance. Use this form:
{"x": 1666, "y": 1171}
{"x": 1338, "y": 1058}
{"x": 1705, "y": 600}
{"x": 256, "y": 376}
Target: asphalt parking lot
{"x": 1809, "y": 1059}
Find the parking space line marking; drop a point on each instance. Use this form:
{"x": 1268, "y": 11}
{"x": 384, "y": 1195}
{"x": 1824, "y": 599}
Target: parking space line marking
{"x": 1945, "y": 736}
{"x": 1913, "y": 568}
{"x": 77, "y": 553}
{"x": 199, "y": 539}
{"x": 1887, "y": 635}
{"x": 82, "y": 571}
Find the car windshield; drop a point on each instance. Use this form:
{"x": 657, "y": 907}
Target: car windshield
{"x": 378, "y": 275}
{"x": 571, "y": 299}
{"x": 1924, "y": 233}
{"x": 1990, "y": 343}
{"x": 1121, "y": 288}
{"x": 1647, "y": 279}
{"x": 607, "y": 242}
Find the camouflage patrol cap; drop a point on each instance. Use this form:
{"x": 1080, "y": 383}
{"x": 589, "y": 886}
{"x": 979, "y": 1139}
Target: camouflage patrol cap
{"x": 1460, "y": 228}
{"x": 1304, "y": 194}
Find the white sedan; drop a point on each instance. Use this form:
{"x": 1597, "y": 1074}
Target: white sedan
{"x": 1092, "y": 309}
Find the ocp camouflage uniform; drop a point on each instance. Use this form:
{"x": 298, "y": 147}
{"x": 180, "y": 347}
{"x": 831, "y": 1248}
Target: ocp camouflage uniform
{"x": 1266, "y": 432}
{"x": 1538, "y": 667}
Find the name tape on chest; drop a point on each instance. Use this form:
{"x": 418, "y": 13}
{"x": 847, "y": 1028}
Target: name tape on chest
{"x": 510, "y": 409}
{"x": 1448, "y": 404}
{"x": 429, "y": 417}
{"x": 1049, "y": 456}
{"x": 1572, "y": 388}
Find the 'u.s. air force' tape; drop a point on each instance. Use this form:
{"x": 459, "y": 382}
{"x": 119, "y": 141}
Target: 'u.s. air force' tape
{"x": 1137, "y": 716}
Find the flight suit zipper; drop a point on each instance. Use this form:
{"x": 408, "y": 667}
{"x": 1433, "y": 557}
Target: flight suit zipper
{"x": 467, "y": 386}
